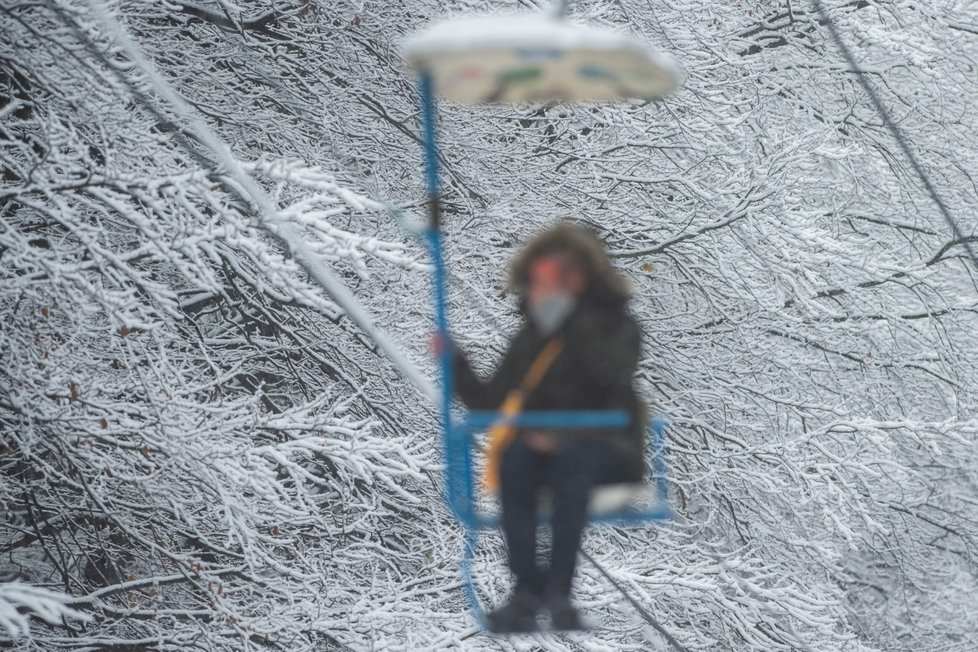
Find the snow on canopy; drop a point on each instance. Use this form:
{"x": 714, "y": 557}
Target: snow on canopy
{"x": 536, "y": 58}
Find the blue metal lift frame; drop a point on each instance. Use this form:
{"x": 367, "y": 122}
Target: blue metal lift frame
{"x": 459, "y": 433}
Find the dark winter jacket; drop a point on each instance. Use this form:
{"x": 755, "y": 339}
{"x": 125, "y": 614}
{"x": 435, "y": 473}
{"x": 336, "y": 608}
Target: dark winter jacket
{"x": 594, "y": 371}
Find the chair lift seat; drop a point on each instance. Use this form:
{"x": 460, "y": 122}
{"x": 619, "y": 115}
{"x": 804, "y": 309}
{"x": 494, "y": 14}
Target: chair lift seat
{"x": 607, "y": 500}
{"x": 610, "y": 498}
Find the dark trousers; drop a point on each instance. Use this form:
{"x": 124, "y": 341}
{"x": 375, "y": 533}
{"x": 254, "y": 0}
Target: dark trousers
{"x": 570, "y": 472}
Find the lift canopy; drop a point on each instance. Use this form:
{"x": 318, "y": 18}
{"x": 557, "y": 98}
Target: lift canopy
{"x": 536, "y": 58}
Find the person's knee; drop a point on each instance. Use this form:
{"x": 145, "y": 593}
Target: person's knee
{"x": 571, "y": 460}
{"x": 583, "y": 461}
{"x": 517, "y": 459}
{"x": 519, "y": 469}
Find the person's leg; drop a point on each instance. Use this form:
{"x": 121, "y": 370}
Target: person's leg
{"x": 520, "y": 472}
{"x": 520, "y": 475}
{"x": 579, "y": 465}
{"x": 570, "y": 483}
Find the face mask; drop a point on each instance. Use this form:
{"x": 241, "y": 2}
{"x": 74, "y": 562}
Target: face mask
{"x": 548, "y": 314}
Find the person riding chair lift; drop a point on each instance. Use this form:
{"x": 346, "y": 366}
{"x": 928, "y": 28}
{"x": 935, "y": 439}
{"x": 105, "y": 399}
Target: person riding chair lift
{"x": 578, "y": 350}
{"x": 572, "y": 363}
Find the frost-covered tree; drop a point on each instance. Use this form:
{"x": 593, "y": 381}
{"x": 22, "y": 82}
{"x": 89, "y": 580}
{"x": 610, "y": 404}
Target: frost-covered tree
{"x": 203, "y": 450}
{"x": 194, "y": 438}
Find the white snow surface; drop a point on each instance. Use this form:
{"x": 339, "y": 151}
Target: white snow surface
{"x": 20, "y": 602}
{"x": 467, "y": 56}
{"x": 513, "y": 31}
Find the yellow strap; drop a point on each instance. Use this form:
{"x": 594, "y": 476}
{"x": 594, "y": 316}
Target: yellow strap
{"x": 539, "y": 367}
{"x": 502, "y": 432}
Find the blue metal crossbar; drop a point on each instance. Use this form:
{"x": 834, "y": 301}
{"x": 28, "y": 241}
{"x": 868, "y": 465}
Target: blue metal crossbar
{"x": 478, "y": 419}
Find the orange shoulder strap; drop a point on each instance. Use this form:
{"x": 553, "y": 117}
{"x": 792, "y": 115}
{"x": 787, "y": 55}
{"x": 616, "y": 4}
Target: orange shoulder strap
{"x": 502, "y": 432}
{"x": 541, "y": 364}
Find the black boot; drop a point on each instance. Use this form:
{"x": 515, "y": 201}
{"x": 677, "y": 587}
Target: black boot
{"x": 563, "y": 615}
{"x": 519, "y": 614}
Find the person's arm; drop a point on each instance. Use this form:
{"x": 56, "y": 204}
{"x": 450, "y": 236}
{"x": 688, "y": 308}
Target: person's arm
{"x": 479, "y": 394}
{"x": 469, "y": 387}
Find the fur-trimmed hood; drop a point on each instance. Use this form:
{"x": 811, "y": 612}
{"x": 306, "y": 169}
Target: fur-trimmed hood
{"x": 605, "y": 283}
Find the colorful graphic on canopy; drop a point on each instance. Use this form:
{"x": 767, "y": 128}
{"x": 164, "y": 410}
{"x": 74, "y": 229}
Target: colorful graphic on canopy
{"x": 536, "y": 58}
